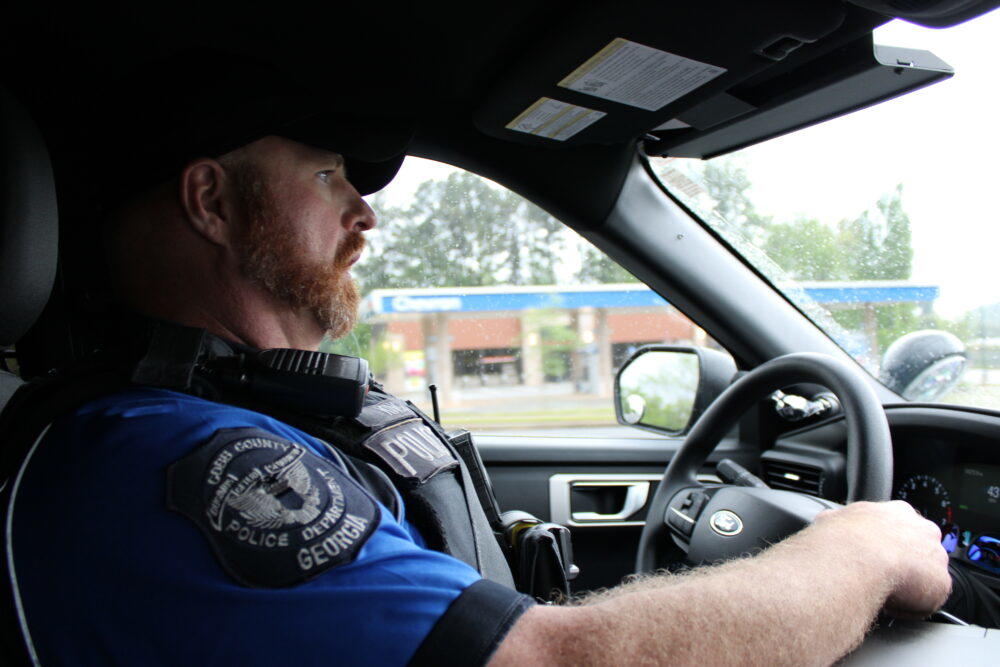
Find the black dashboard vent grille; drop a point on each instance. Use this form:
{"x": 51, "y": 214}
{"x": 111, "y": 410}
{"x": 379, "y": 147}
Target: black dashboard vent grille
{"x": 793, "y": 477}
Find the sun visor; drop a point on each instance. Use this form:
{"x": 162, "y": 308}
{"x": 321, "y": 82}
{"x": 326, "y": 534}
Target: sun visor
{"x": 930, "y": 13}
{"x": 851, "y": 79}
{"x": 764, "y": 71}
{"x": 608, "y": 74}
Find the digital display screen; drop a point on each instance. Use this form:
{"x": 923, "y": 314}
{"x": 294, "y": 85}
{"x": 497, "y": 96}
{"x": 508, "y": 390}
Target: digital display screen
{"x": 946, "y": 483}
{"x": 980, "y": 490}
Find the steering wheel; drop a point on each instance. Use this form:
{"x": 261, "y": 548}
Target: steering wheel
{"x": 697, "y": 523}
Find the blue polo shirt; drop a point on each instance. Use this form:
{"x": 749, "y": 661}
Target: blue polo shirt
{"x": 109, "y": 570}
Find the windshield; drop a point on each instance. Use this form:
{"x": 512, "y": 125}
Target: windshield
{"x": 882, "y": 223}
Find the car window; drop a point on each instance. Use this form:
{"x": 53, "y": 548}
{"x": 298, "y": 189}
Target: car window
{"x": 882, "y": 223}
{"x": 519, "y": 322}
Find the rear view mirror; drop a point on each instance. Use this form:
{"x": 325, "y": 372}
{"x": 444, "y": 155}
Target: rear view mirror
{"x": 666, "y": 388}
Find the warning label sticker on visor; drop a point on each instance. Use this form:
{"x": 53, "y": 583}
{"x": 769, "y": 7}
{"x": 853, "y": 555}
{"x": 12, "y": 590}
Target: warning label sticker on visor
{"x": 554, "y": 119}
{"x": 639, "y": 75}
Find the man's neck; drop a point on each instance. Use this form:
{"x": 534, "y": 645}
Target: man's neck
{"x": 265, "y": 329}
{"x": 244, "y": 314}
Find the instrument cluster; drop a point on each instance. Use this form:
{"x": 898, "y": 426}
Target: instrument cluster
{"x": 964, "y": 500}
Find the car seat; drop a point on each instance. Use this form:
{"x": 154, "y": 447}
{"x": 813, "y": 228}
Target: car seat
{"x": 28, "y": 229}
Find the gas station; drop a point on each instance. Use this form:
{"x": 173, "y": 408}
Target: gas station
{"x": 575, "y": 335}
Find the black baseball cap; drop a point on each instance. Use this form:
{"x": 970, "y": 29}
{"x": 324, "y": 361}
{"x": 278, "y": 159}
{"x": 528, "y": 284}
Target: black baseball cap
{"x": 162, "y": 115}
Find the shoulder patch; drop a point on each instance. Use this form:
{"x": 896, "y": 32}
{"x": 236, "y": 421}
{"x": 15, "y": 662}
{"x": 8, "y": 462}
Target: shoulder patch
{"x": 399, "y": 437}
{"x": 274, "y": 513}
{"x": 412, "y": 450}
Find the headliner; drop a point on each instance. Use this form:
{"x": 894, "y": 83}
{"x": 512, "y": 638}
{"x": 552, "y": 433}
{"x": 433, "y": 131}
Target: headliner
{"x": 460, "y": 78}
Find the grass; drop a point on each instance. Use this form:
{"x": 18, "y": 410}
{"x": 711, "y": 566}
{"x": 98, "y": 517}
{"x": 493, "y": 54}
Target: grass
{"x": 563, "y": 417}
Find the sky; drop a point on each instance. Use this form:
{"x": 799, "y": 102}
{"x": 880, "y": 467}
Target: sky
{"x": 940, "y": 142}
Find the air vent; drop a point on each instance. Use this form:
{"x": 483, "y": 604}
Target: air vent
{"x": 793, "y": 477}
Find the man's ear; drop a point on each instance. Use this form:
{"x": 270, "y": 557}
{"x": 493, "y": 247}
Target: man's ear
{"x": 203, "y": 197}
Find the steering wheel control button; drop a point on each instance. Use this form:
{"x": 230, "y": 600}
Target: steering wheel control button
{"x": 682, "y": 513}
{"x": 679, "y": 521}
{"x": 726, "y": 523}
{"x": 698, "y": 501}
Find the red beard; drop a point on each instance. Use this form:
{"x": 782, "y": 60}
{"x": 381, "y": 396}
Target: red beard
{"x": 271, "y": 256}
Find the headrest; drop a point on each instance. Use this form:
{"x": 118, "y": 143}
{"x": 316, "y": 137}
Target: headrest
{"x": 28, "y": 221}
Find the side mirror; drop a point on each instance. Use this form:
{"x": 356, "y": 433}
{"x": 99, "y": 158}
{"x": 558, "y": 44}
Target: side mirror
{"x": 665, "y": 388}
{"x": 923, "y": 365}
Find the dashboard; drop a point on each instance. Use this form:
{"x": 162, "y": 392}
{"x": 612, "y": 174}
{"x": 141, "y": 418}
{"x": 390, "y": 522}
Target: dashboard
{"x": 946, "y": 464}
{"x": 953, "y": 483}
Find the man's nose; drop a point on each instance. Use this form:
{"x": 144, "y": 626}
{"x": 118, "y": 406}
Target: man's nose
{"x": 360, "y": 217}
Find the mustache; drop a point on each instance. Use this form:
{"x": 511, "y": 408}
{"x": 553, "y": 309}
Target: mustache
{"x": 351, "y": 246}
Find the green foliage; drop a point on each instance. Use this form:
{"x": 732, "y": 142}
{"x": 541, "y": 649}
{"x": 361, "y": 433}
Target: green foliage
{"x": 667, "y": 383}
{"x": 728, "y": 186}
{"x": 876, "y": 245}
{"x": 598, "y": 268}
{"x": 806, "y": 250}
{"x": 558, "y": 341}
{"x": 462, "y": 232}
{"x": 357, "y": 343}
{"x": 873, "y": 246}
{"x": 556, "y": 338}
{"x": 368, "y": 342}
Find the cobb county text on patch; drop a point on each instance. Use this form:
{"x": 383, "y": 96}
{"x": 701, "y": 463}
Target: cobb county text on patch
{"x": 274, "y": 513}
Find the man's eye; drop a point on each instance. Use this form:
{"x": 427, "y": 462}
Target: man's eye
{"x": 327, "y": 175}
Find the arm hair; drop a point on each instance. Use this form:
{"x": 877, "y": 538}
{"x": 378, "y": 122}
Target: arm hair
{"x": 801, "y": 602}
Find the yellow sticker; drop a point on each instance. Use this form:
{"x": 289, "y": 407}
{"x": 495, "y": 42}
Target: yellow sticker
{"x": 554, "y": 119}
{"x": 638, "y": 75}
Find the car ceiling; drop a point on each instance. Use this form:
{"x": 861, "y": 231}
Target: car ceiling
{"x": 462, "y": 73}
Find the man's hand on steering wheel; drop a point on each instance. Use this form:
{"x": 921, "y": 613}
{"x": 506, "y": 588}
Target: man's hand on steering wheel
{"x": 696, "y": 524}
{"x": 917, "y": 564}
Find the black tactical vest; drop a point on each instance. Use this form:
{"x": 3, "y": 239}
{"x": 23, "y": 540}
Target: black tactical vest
{"x": 434, "y": 480}
{"x": 387, "y": 443}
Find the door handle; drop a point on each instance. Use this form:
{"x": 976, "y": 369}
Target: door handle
{"x": 637, "y": 485}
{"x": 636, "y": 493}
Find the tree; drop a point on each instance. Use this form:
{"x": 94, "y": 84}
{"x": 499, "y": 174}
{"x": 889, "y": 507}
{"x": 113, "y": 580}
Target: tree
{"x": 876, "y": 245}
{"x": 462, "y": 232}
{"x": 596, "y": 267}
{"x": 806, "y": 250}
{"x": 727, "y": 185}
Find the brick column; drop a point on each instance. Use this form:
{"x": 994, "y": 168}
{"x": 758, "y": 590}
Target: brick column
{"x": 531, "y": 352}
{"x": 437, "y": 351}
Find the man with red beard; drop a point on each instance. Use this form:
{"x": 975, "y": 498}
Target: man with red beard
{"x": 266, "y": 234}
{"x": 184, "y": 530}
{"x": 205, "y": 526}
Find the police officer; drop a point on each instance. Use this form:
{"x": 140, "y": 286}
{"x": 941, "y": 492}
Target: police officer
{"x": 153, "y": 526}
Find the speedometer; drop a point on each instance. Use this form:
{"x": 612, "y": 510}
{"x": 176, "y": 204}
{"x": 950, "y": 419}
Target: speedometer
{"x": 929, "y": 497}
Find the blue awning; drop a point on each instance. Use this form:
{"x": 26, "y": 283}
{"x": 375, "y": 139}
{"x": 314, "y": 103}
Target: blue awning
{"x": 483, "y": 299}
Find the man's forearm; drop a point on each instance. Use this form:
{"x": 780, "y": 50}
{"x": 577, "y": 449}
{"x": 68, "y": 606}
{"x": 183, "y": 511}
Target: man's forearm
{"x": 805, "y": 601}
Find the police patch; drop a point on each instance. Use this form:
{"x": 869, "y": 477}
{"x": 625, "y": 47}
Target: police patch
{"x": 411, "y": 450}
{"x": 399, "y": 437}
{"x": 274, "y": 513}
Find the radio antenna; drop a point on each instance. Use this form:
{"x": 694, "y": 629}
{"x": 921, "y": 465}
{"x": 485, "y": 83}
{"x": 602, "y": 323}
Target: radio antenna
{"x": 434, "y": 402}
